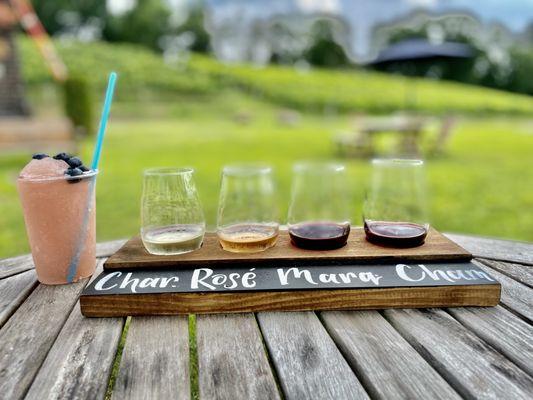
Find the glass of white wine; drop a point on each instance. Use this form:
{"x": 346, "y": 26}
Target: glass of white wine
{"x": 172, "y": 218}
{"x": 247, "y": 210}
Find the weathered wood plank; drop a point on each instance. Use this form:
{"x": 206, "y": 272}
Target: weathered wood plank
{"x": 515, "y": 295}
{"x": 80, "y": 361}
{"x": 232, "y": 360}
{"x": 106, "y": 249}
{"x": 388, "y": 366}
{"x": 13, "y": 292}
{"x": 15, "y": 265}
{"x": 502, "y": 330}
{"x": 471, "y": 366}
{"x": 18, "y": 264}
{"x": 520, "y": 273}
{"x": 28, "y": 335}
{"x": 155, "y": 361}
{"x": 307, "y": 362}
{"x": 496, "y": 249}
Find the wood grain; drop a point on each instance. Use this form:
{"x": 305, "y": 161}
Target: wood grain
{"x": 520, "y": 273}
{"x": 105, "y": 249}
{"x": 79, "y": 363}
{"x": 515, "y": 295}
{"x": 18, "y": 264}
{"x": 27, "y": 336}
{"x": 471, "y": 366}
{"x": 307, "y": 361}
{"x": 388, "y": 366}
{"x": 496, "y": 323}
{"x": 15, "y": 265}
{"x": 437, "y": 247}
{"x": 496, "y": 249}
{"x": 155, "y": 361}
{"x": 232, "y": 361}
{"x": 296, "y": 300}
{"x": 14, "y": 291}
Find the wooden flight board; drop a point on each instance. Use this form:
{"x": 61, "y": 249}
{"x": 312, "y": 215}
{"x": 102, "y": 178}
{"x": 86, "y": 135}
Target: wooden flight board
{"x": 285, "y": 278}
{"x": 274, "y": 288}
{"x": 437, "y": 247}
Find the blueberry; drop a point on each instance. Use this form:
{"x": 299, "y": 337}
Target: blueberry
{"x": 39, "y": 156}
{"x": 74, "y": 162}
{"x": 74, "y": 172}
{"x": 62, "y": 156}
{"x": 83, "y": 168}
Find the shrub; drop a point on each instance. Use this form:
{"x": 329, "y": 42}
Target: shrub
{"x": 79, "y": 104}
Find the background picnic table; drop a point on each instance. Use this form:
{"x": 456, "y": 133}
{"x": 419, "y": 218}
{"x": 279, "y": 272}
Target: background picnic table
{"x": 49, "y": 350}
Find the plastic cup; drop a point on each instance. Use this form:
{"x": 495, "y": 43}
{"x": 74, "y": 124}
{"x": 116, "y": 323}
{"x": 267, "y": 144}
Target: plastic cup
{"x": 60, "y": 217}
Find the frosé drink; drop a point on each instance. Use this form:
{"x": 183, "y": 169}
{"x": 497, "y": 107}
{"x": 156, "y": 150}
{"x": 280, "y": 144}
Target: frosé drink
{"x": 58, "y": 201}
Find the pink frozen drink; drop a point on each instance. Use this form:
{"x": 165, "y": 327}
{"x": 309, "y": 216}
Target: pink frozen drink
{"x": 58, "y": 201}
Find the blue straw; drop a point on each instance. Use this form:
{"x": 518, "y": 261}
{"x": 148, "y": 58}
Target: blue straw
{"x": 103, "y": 119}
{"x": 73, "y": 265}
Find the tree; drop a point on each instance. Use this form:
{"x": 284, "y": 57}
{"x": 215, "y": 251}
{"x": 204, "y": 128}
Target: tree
{"x": 59, "y": 15}
{"x": 195, "y": 25}
{"x": 144, "y": 24}
{"x": 324, "y": 50}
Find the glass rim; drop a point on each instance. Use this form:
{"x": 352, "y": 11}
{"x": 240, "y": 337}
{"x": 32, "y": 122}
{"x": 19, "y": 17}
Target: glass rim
{"x": 246, "y": 169}
{"x": 166, "y": 171}
{"x": 65, "y": 177}
{"x": 326, "y": 165}
{"x": 398, "y": 161}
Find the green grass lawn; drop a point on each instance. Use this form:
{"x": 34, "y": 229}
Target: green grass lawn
{"x": 483, "y": 185}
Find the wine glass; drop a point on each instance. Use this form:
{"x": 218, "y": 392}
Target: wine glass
{"x": 172, "y": 217}
{"x": 395, "y": 211}
{"x": 319, "y": 212}
{"x": 247, "y": 210}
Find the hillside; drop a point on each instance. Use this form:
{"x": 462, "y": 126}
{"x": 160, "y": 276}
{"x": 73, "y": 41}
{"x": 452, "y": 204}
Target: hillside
{"x": 314, "y": 90}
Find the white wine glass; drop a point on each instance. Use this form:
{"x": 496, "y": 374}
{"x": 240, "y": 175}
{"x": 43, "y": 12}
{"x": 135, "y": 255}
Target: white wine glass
{"x": 172, "y": 218}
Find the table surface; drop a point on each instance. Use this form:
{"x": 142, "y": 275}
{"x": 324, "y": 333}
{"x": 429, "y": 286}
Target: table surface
{"x": 48, "y": 350}
{"x": 398, "y": 124}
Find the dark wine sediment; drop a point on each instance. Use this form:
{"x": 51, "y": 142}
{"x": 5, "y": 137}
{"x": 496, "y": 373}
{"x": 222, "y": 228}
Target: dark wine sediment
{"x": 319, "y": 235}
{"x": 395, "y": 234}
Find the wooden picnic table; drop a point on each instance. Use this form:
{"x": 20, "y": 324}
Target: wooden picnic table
{"x": 48, "y": 350}
{"x": 408, "y": 128}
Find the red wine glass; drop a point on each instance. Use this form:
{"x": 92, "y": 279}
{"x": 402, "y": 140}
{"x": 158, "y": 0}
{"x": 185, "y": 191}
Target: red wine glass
{"x": 395, "y": 209}
{"x": 319, "y": 212}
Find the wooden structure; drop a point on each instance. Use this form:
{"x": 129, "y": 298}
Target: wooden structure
{"x": 18, "y": 130}
{"x": 357, "y": 276}
{"x": 408, "y": 129}
{"x": 49, "y": 350}
{"x": 12, "y": 100}
{"x": 436, "y": 248}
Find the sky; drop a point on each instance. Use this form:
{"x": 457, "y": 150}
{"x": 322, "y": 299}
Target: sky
{"x": 515, "y": 14}
{"x": 233, "y": 18}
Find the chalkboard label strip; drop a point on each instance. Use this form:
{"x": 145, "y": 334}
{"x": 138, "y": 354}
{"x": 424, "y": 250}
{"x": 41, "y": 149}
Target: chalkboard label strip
{"x": 247, "y": 289}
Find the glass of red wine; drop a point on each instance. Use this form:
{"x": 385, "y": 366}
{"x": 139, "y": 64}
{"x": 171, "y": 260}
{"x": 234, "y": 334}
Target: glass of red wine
{"x": 395, "y": 209}
{"x": 319, "y": 212}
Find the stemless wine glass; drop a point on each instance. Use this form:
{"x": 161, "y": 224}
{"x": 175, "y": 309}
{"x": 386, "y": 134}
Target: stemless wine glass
{"x": 172, "y": 217}
{"x": 395, "y": 210}
{"x": 247, "y": 209}
{"x": 319, "y": 212}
